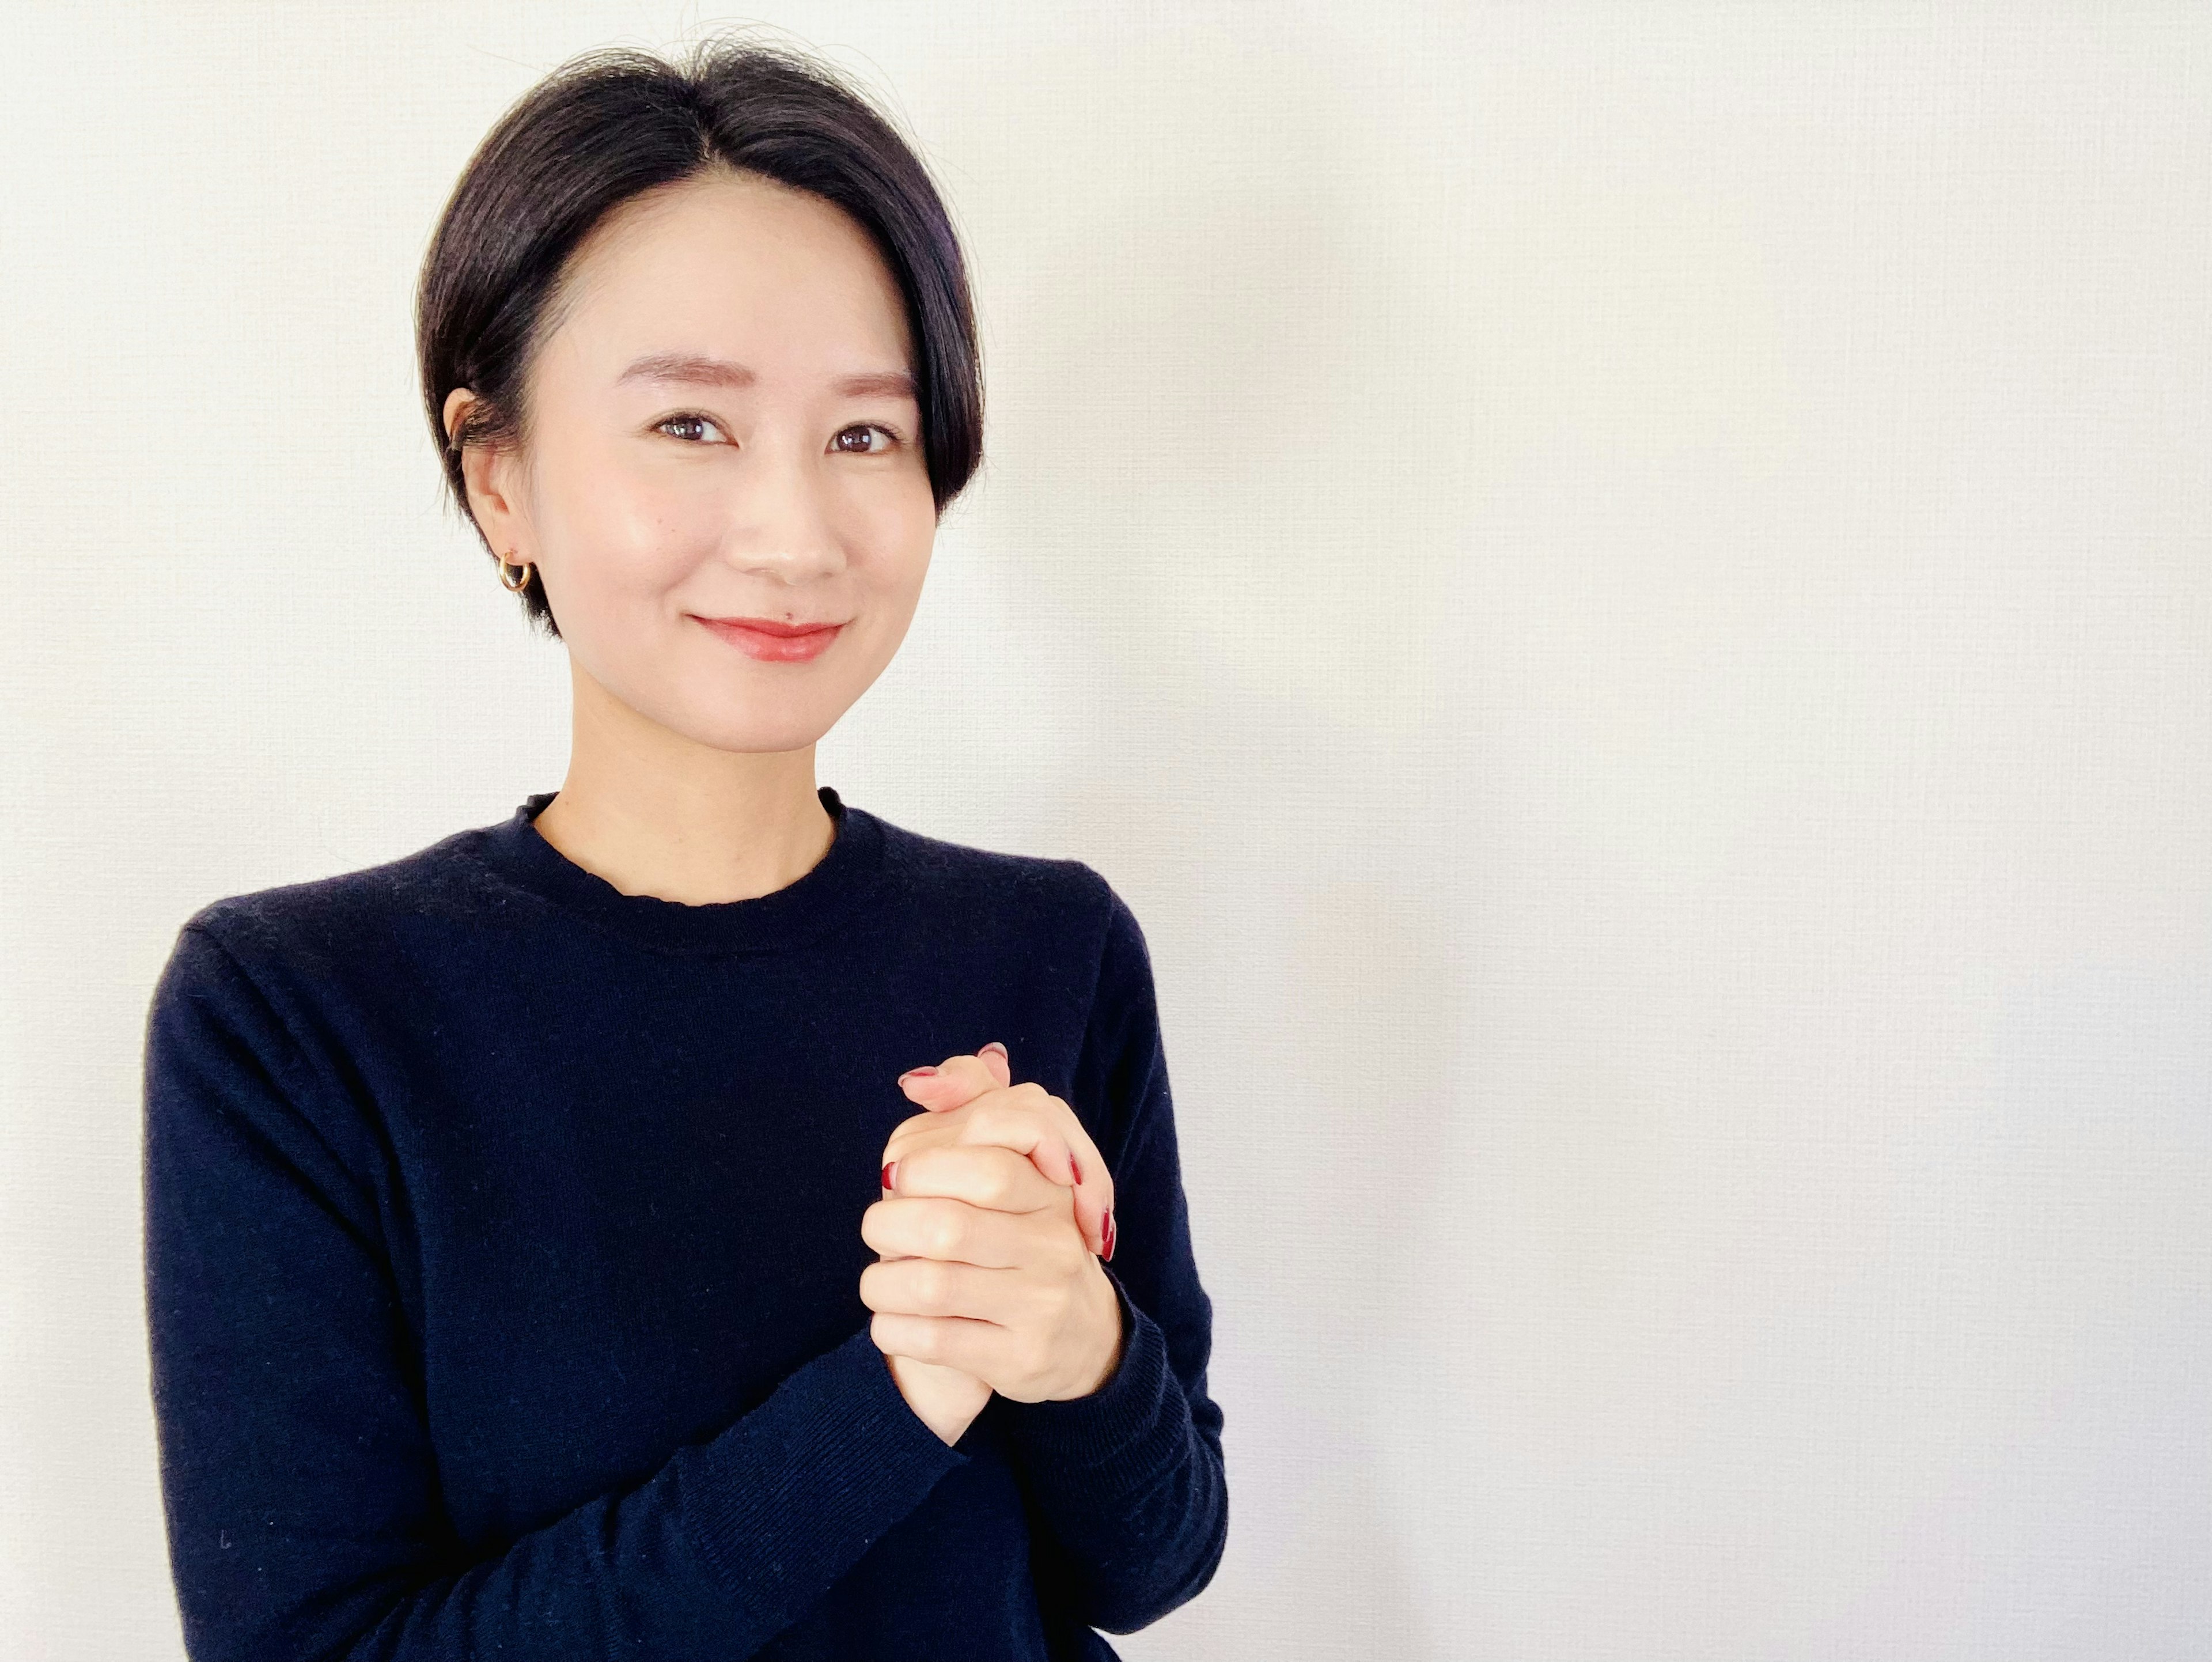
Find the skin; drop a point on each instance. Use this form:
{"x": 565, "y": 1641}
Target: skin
{"x": 800, "y": 494}
{"x": 987, "y": 1280}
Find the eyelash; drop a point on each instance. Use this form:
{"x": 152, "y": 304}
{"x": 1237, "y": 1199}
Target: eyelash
{"x": 896, "y": 436}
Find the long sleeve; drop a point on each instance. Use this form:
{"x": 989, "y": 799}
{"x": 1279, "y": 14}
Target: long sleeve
{"x": 1130, "y": 1479}
{"x": 299, "y": 1481}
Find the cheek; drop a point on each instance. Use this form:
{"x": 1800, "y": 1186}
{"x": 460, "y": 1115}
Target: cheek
{"x": 899, "y": 532}
{"x": 626, "y": 533}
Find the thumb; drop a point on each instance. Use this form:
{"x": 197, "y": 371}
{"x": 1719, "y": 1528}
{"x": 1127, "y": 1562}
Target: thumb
{"x": 955, "y": 1082}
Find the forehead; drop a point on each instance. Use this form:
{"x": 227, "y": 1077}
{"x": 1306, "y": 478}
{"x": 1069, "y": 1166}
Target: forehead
{"x": 736, "y": 265}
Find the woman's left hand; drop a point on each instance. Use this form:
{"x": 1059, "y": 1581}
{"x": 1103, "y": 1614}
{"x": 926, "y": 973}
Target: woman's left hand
{"x": 984, "y": 1267}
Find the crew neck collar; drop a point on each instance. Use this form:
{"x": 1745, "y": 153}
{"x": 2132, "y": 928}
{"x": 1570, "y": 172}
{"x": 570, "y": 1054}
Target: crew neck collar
{"x": 800, "y": 912}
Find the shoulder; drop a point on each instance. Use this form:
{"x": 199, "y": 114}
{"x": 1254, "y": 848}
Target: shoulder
{"x": 1064, "y": 889}
{"x": 322, "y": 924}
{"x": 1062, "y": 900}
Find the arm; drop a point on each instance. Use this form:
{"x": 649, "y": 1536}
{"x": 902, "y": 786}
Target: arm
{"x": 298, "y": 1477}
{"x": 1130, "y": 1479}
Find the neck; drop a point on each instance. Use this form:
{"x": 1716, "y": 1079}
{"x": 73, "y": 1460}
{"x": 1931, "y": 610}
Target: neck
{"x": 655, "y": 813}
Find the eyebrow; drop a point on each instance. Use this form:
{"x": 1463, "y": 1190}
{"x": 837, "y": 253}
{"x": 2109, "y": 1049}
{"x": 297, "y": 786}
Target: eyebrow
{"x": 721, "y": 372}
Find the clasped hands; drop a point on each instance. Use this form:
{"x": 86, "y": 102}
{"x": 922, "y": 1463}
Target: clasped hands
{"x": 996, "y": 1211}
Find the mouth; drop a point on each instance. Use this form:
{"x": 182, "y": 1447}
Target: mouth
{"x": 772, "y": 639}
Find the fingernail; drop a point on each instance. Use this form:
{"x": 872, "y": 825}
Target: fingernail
{"x": 995, "y": 1045}
{"x": 1106, "y": 1256}
{"x": 915, "y": 1072}
{"x": 1073, "y": 1166}
{"x": 890, "y": 1172}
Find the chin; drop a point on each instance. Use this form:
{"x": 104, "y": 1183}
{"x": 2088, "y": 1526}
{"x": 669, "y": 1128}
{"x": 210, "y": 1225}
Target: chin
{"x": 788, "y": 729}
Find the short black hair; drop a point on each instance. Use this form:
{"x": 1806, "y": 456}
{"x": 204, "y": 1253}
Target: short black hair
{"x": 618, "y": 122}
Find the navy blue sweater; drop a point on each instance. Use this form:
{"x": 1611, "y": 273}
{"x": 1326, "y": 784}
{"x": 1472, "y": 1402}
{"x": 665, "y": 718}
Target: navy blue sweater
{"x": 503, "y": 1251}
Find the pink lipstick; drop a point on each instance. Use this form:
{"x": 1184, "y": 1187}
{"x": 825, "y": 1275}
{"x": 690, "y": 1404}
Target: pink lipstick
{"x": 775, "y": 643}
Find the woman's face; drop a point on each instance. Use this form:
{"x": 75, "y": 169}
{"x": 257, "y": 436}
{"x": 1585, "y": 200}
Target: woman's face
{"x": 723, "y": 427}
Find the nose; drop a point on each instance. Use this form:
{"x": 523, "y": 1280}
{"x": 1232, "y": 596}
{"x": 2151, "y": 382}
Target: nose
{"x": 782, "y": 517}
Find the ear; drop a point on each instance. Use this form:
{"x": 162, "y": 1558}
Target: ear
{"x": 488, "y": 472}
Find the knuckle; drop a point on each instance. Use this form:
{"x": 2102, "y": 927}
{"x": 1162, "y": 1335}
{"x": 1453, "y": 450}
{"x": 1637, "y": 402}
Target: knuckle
{"x": 933, "y": 1284}
{"x": 947, "y": 1233}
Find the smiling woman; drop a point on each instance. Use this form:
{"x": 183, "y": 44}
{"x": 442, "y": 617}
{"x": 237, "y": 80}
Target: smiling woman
{"x": 546, "y": 1255}
{"x": 719, "y": 444}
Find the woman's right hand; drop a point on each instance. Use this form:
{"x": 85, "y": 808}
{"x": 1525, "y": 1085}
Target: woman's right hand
{"x": 948, "y": 1399}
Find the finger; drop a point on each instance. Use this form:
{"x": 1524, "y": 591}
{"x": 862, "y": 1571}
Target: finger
{"x": 956, "y": 1083}
{"x": 1084, "y": 1166}
{"x": 960, "y": 1080}
{"x": 999, "y": 1118}
{"x": 975, "y": 1348}
{"x": 993, "y": 1119}
{"x": 933, "y": 1287}
{"x": 1094, "y": 1183}
{"x": 952, "y": 1083}
{"x": 959, "y": 1231}
{"x": 988, "y": 1175}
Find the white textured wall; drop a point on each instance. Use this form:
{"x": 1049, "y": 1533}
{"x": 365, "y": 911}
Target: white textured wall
{"x": 1623, "y": 589}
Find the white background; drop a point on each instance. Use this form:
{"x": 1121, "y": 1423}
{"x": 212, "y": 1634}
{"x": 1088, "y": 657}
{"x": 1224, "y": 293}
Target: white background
{"x": 1623, "y": 589}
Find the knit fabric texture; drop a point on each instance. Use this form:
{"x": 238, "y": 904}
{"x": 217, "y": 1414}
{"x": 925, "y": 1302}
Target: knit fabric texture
{"x": 503, "y": 1251}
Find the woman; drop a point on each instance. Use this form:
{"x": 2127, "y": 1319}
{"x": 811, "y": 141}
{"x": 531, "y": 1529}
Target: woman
{"x": 553, "y": 1249}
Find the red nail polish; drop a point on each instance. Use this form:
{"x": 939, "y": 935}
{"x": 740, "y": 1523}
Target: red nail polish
{"x": 916, "y": 1073}
{"x": 1106, "y": 1256}
{"x": 1075, "y": 1167}
{"x": 890, "y": 1171}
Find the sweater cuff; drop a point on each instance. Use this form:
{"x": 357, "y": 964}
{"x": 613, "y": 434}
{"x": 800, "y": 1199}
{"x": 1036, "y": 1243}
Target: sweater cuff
{"x": 1121, "y": 1433}
{"x": 815, "y": 1475}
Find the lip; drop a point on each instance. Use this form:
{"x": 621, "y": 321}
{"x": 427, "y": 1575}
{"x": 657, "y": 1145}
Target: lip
{"x": 767, "y": 639}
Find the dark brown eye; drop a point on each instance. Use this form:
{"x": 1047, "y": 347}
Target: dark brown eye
{"x": 693, "y": 422}
{"x": 865, "y": 448}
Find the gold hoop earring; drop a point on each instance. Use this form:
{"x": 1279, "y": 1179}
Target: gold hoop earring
{"x": 526, "y": 569}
